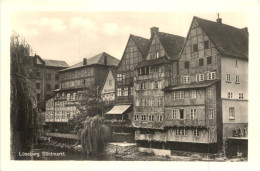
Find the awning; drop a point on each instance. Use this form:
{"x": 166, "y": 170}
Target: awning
{"x": 118, "y": 109}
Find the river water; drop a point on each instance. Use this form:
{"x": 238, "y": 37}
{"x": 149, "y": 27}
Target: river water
{"x": 45, "y": 152}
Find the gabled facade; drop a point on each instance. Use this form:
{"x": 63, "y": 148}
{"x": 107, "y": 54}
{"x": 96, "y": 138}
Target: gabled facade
{"x": 151, "y": 77}
{"x": 134, "y": 53}
{"x": 108, "y": 88}
{"x": 210, "y": 101}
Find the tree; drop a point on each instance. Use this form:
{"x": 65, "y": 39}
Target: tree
{"x": 89, "y": 123}
{"x": 23, "y": 102}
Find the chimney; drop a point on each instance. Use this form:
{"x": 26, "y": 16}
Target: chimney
{"x": 84, "y": 61}
{"x": 154, "y": 30}
{"x": 105, "y": 60}
{"x": 219, "y": 20}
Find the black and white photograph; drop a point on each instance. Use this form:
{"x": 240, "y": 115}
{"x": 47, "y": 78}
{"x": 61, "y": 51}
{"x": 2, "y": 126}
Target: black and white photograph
{"x": 129, "y": 86}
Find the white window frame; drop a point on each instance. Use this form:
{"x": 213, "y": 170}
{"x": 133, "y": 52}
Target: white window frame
{"x": 175, "y": 114}
{"x": 143, "y": 117}
{"x": 136, "y": 117}
{"x": 181, "y": 94}
{"x": 186, "y": 79}
{"x": 150, "y": 118}
{"x": 241, "y": 96}
{"x": 237, "y": 79}
{"x": 195, "y": 132}
{"x": 119, "y": 92}
{"x": 193, "y": 94}
{"x": 125, "y": 91}
{"x": 230, "y": 95}
{"x": 160, "y": 118}
{"x": 200, "y": 77}
{"x": 211, "y": 76}
{"x": 174, "y": 95}
{"x": 119, "y": 77}
{"x": 137, "y": 102}
{"x": 193, "y": 113}
{"x": 231, "y": 112}
{"x": 228, "y": 78}
{"x": 211, "y": 113}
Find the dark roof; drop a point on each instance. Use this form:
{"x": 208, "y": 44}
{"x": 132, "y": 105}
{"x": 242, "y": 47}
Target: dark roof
{"x": 141, "y": 42}
{"x": 98, "y": 59}
{"x": 172, "y": 44}
{"x": 158, "y": 61}
{"x": 230, "y": 40}
{"x": 191, "y": 85}
{"x": 55, "y": 63}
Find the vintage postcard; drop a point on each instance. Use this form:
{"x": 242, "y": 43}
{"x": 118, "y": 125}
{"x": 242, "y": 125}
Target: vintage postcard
{"x": 119, "y": 84}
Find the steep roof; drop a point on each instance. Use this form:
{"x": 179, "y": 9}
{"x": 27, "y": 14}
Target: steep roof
{"x": 55, "y": 63}
{"x": 98, "y": 59}
{"x": 230, "y": 40}
{"x": 141, "y": 42}
{"x": 113, "y": 70}
{"x": 171, "y": 43}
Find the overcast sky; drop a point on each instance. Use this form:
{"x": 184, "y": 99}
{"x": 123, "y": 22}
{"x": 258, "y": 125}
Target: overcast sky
{"x": 71, "y": 36}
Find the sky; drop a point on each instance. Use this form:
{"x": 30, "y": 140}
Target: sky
{"x": 72, "y": 36}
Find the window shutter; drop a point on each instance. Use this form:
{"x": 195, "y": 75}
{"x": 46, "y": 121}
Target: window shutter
{"x": 197, "y": 77}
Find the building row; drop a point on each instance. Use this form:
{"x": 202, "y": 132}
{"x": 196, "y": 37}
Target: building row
{"x": 170, "y": 92}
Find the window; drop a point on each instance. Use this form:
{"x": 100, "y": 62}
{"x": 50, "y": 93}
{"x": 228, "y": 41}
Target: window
{"x": 144, "y": 102}
{"x": 186, "y": 79}
{"x": 56, "y": 77}
{"x": 156, "y": 69}
{"x": 48, "y": 76}
{"x": 159, "y": 102}
{"x": 193, "y": 113}
{"x": 56, "y": 86}
{"x": 181, "y": 111}
{"x": 119, "y": 92}
{"x": 175, "y": 114}
{"x": 230, "y": 95}
{"x": 159, "y": 117}
{"x": 174, "y": 96}
{"x": 228, "y": 78}
{"x": 241, "y": 96}
{"x": 193, "y": 94}
{"x": 210, "y": 91}
{"x": 200, "y": 77}
{"x": 195, "y": 47}
{"x": 157, "y": 54}
{"x": 231, "y": 113}
{"x": 126, "y": 91}
{"x": 237, "y": 78}
{"x": 119, "y": 77}
{"x": 38, "y": 74}
{"x": 196, "y": 133}
{"x": 38, "y": 97}
{"x": 132, "y": 91}
{"x": 209, "y": 60}
{"x": 151, "y": 117}
{"x": 206, "y": 44}
{"x": 136, "y": 117}
{"x": 186, "y": 64}
{"x": 201, "y": 62}
{"x": 156, "y": 85}
{"x": 236, "y": 64}
{"x": 143, "y": 117}
{"x": 211, "y": 113}
{"x": 181, "y": 94}
{"x": 142, "y": 86}
{"x": 38, "y": 85}
{"x": 211, "y": 75}
{"x": 123, "y": 77}
{"x": 180, "y": 132}
{"x": 48, "y": 87}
